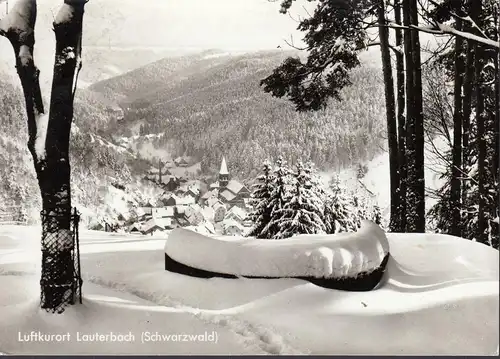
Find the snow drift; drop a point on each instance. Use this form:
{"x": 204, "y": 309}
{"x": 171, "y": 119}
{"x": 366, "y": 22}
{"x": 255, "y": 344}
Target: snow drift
{"x": 348, "y": 261}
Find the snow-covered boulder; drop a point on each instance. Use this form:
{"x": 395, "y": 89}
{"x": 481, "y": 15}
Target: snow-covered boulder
{"x": 350, "y": 261}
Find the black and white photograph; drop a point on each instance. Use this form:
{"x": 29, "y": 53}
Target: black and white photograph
{"x": 249, "y": 177}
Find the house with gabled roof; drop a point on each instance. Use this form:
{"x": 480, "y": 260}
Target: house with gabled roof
{"x": 193, "y": 192}
{"x": 151, "y": 203}
{"x": 236, "y": 213}
{"x": 144, "y": 212}
{"x": 157, "y": 225}
{"x": 208, "y": 213}
{"x": 212, "y": 201}
{"x": 227, "y": 196}
{"x": 219, "y": 211}
{"x": 233, "y": 228}
{"x": 135, "y": 228}
{"x": 170, "y": 200}
{"x": 186, "y": 200}
{"x": 207, "y": 195}
{"x": 181, "y": 161}
{"x": 193, "y": 208}
{"x": 162, "y": 212}
{"x": 182, "y": 221}
{"x": 194, "y": 218}
{"x": 170, "y": 183}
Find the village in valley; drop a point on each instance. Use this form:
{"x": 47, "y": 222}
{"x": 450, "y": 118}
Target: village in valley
{"x": 220, "y": 208}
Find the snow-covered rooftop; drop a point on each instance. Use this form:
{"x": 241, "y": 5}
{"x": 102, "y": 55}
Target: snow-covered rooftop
{"x": 234, "y": 186}
{"x": 228, "y": 195}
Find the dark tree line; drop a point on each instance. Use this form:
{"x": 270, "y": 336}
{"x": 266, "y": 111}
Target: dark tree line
{"x": 338, "y": 31}
{"x": 468, "y": 206}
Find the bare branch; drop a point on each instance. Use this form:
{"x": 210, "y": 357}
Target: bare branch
{"x": 307, "y": 11}
{"x": 438, "y": 51}
{"x": 293, "y": 46}
{"x": 295, "y": 20}
{"x": 443, "y": 158}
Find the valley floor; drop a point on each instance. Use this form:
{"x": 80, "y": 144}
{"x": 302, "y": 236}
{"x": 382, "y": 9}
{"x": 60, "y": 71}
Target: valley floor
{"x": 440, "y": 296}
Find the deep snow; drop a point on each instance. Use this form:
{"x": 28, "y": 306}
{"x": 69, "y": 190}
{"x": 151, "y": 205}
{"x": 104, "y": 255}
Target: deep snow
{"x": 343, "y": 254}
{"x": 440, "y": 296}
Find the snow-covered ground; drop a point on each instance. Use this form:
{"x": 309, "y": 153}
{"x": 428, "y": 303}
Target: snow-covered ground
{"x": 440, "y": 296}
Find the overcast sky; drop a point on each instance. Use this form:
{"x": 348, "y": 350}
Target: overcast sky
{"x": 183, "y": 24}
{"x": 179, "y": 26}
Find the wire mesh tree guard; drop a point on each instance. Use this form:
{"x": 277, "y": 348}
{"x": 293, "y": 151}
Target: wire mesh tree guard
{"x": 61, "y": 282}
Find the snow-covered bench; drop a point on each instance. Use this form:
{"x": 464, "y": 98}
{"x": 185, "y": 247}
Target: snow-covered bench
{"x": 347, "y": 261}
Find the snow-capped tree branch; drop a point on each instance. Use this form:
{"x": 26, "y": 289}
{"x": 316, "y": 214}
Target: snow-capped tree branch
{"x": 466, "y": 19}
{"x": 18, "y": 27}
{"x": 443, "y": 29}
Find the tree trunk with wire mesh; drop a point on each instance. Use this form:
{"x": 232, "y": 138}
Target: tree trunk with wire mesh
{"x": 48, "y": 141}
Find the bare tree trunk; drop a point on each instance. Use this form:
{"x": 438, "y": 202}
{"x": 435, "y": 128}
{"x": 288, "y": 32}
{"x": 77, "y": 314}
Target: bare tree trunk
{"x": 481, "y": 146}
{"x": 49, "y": 136}
{"x": 417, "y": 192}
{"x": 390, "y": 108}
{"x": 414, "y": 121}
{"x": 466, "y": 113}
{"x": 496, "y": 161}
{"x": 456, "y": 173}
{"x": 400, "y": 78}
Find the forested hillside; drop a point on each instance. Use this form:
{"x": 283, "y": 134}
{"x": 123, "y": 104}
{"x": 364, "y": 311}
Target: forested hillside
{"x": 207, "y": 106}
{"x": 96, "y": 162}
{"x": 211, "y": 104}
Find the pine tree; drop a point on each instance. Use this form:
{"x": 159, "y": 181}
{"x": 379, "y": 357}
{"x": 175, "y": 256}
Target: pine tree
{"x": 303, "y": 213}
{"x": 338, "y": 213}
{"x": 279, "y": 196}
{"x": 261, "y": 201}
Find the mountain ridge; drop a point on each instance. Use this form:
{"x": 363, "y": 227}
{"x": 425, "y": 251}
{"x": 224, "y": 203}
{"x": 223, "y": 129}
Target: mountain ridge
{"x": 207, "y": 104}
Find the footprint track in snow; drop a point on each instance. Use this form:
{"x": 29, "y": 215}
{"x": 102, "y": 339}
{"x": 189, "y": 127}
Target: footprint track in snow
{"x": 266, "y": 339}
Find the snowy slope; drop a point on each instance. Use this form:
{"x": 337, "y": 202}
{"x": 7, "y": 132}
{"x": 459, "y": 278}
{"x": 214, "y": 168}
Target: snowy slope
{"x": 375, "y": 184}
{"x": 440, "y": 296}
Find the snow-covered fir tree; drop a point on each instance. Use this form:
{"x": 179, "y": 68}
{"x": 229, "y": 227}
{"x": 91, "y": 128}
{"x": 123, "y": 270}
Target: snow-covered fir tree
{"x": 261, "y": 201}
{"x": 279, "y": 196}
{"x": 344, "y": 210}
{"x": 287, "y": 204}
{"x": 303, "y": 212}
{"x": 339, "y": 214}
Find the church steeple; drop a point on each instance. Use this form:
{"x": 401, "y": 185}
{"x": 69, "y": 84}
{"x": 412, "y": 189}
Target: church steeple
{"x": 223, "y": 174}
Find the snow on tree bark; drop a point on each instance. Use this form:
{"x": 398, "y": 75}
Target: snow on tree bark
{"x": 414, "y": 121}
{"x": 49, "y": 134}
{"x": 456, "y": 168}
{"x": 400, "y": 80}
{"x": 390, "y": 108}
